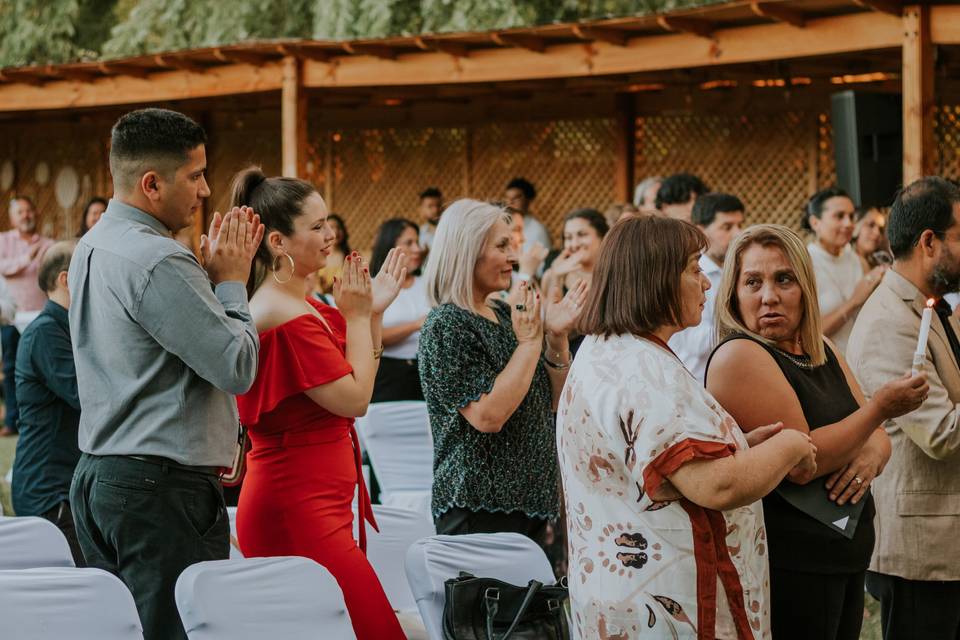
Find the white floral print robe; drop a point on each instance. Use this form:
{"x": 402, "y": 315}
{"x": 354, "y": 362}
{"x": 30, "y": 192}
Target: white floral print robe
{"x": 644, "y": 561}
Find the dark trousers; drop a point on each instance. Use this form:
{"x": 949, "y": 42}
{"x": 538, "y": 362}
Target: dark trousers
{"x": 146, "y": 523}
{"x": 816, "y": 606}
{"x": 62, "y": 517}
{"x": 916, "y": 609}
{"x": 457, "y": 521}
{"x": 9, "y": 339}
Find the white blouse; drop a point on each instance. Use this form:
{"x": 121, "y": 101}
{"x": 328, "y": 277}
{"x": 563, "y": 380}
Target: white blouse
{"x": 411, "y": 304}
{"x": 837, "y": 277}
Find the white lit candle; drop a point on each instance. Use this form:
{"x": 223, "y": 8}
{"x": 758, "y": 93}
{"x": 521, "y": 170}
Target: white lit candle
{"x": 920, "y": 355}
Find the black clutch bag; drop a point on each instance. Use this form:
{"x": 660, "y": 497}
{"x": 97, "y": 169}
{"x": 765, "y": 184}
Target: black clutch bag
{"x": 489, "y": 609}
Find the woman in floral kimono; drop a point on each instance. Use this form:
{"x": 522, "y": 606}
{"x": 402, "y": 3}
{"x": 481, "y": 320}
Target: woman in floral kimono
{"x": 662, "y": 489}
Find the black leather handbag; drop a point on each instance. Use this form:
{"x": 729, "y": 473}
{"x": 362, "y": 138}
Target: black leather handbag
{"x": 489, "y": 609}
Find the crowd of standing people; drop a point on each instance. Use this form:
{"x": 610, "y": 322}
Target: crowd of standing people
{"x": 713, "y": 429}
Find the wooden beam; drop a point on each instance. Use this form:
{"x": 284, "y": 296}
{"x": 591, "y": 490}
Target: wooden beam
{"x": 626, "y": 147}
{"x": 616, "y": 37}
{"x": 121, "y": 69}
{"x": 945, "y": 24}
{"x": 455, "y": 49}
{"x": 161, "y": 86}
{"x": 824, "y": 36}
{"x": 241, "y": 56}
{"x": 520, "y": 40}
{"x": 779, "y": 12}
{"x": 315, "y": 54}
{"x": 177, "y": 62}
{"x": 891, "y": 7}
{"x": 70, "y": 73}
{"x": 293, "y": 116}
{"x": 369, "y": 49}
{"x": 694, "y": 26}
{"x": 918, "y": 94}
{"x": 21, "y": 77}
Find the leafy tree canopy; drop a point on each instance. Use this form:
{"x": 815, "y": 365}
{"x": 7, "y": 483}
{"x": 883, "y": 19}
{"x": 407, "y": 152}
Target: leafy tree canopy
{"x": 44, "y": 31}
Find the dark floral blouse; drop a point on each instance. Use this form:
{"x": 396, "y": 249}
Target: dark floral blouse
{"x": 461, "y": 354}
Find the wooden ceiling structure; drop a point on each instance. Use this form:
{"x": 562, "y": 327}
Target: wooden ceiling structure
{"x": 777, "y": 43}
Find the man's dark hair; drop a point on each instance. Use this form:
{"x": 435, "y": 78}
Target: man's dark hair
{"x": 924, "y": 204}
{"x": 707, "y": 206}
{"x": 430, "y": 192}
{"x": 55, "y": 260}
{"x": 525, "y": 186}
{"x": 150, "y": 139}
{"x": 678, "y": 188}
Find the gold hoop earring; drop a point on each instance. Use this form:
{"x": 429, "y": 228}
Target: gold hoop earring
{"x": 276, "y": 267}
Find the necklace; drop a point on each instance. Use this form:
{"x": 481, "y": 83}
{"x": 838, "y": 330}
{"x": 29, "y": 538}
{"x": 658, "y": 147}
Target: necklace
{"x": 802, "y": 362}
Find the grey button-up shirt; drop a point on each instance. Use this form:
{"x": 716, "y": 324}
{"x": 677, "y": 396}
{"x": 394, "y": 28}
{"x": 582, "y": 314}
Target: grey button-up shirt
{"x": 158, "y": 352}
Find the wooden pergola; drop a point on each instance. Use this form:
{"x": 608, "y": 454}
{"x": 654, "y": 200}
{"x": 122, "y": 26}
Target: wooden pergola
{"x": 705, "y": 57}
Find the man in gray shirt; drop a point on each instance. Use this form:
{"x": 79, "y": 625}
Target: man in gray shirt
{"x": 161, "y": 344}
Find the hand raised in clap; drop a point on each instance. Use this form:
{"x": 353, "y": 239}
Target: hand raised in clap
{"x": 525, "y": 316}
{"x": 562, "y": 314}
{"x": 352, "y": 291}
{"x": 387, "y": 284}
{"x": 227, "y": 250}
{"x": 567, "y": 262}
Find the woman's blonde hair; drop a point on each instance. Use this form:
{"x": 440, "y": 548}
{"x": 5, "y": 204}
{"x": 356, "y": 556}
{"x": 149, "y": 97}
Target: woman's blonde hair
{"x": 728, "y": 317}
{"x": 460, "y": 238}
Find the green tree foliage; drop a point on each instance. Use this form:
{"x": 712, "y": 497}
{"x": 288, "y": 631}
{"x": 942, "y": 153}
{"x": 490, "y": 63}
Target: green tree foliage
{"x": 54, "y": 31}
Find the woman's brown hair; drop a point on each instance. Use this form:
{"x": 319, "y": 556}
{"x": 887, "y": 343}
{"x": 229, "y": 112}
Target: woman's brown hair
{"x": 636, "y": 282}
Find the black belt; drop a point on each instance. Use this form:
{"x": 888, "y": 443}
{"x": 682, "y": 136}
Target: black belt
{"x": 173, "y": 464}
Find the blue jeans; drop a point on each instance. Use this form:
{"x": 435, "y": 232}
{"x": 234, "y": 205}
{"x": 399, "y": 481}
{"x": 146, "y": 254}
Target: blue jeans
{"x": 9, "y": 339}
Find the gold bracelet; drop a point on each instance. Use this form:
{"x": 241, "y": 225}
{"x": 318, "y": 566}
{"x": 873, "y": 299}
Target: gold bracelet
{"x": 378, "y": 352}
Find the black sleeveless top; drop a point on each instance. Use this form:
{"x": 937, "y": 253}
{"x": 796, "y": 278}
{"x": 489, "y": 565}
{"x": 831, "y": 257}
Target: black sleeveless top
{"x": 797, "y": 541}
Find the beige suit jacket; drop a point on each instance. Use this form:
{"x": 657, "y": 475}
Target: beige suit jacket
{"x": 918, "y": 494}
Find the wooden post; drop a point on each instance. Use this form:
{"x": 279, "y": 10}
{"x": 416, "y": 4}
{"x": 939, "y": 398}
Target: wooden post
{"x": 918, "y": 94}
{"x": 626, "y": 147}
{"x": 293, "y": 114}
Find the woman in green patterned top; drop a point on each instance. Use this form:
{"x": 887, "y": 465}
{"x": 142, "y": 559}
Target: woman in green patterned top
{"x": 492, "y": 375}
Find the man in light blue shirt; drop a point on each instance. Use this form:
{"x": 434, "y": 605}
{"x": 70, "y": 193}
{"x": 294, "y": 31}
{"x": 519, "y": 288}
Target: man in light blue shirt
{"x": 161, "y": 345}
{"x": 720, "y": 217}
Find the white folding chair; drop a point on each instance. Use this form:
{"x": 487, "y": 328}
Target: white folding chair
{"x": 28, "y": 542}
{"x": 397, "y": 438}
{"x": 256, "y": 598}
{"x": 56, "y": 603}
{"x": 235, "y": 552}
{"x": 399, "y": 530}
{"x": 430, "y": 562}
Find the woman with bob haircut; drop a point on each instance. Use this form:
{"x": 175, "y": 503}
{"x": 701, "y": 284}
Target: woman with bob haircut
{"x": 771, "y": 342}
{"x": 664, "y": 524}
{"x": 491, "y": 374}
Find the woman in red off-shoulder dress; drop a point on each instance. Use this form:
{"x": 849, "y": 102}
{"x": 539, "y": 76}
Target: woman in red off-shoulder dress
{"x": 316, "y": 372}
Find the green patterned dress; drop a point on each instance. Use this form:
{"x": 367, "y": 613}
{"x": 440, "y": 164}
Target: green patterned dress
{"x": 461, "y": 355}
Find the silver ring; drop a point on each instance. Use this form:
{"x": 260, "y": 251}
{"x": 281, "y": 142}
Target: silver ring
{"x": 858, "y": 480}
{"x": 521, "y": 307}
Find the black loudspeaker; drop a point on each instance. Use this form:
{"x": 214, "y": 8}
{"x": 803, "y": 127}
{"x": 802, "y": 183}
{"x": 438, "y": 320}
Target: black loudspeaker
{"x": 868, "y": 145}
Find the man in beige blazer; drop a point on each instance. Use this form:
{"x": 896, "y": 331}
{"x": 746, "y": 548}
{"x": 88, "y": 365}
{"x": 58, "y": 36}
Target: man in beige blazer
{"x": 915, "y": 570}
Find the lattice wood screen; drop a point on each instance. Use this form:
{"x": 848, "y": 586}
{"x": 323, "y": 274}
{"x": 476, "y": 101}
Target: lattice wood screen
{"x": 371, "y": 175}
{"x": 773, "y": 162}
{"x": 236, "y": 141}
{"x": 947, "y": 133}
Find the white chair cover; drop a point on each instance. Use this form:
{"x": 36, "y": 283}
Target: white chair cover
{"x": 430, "y": 562}
{"x": 397, "y": 437}
{"x": 386, "y": 550}
{"x": 235, "y": 553}
{"x": 257, "y": 598}
{"x": 59, "y": 603}
{"x": 28, "y": 542}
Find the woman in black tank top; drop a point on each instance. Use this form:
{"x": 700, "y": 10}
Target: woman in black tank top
{"x": 774, "y": 364}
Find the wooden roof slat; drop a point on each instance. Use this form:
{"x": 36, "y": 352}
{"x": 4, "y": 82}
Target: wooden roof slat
{"x": 694, "y": 26}
{"x": 22, "y": 76}
{"x": 893, "y": 7}
{"x": 779, "y": 12}
{"x": 123, "y": 69}
{"x": 455, "y": 49}
{"x": 178, "y": 62}
{"x": 71, "y": 73}
{"x": 521, "y": 40}
{"x": 316, "y": 54}
{"x": 616, "y": 37}
{"x": 370, "y": 49}
{"x": 241, "y": 56}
